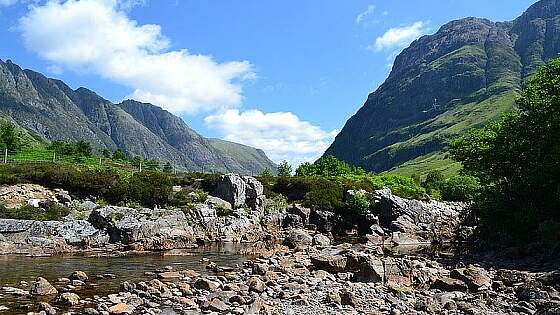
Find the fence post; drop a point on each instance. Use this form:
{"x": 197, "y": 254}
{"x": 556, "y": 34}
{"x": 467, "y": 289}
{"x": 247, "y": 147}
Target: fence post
{"x": 140, "y": 166}
{"x": 54, "y": 156}
{"x": 6, "y": 156}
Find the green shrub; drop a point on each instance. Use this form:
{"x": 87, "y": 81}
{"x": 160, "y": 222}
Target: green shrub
{"x": 276, "y": 204}
{"x": 48, "y": 212}
{"x": 460, "y": 188}
{"x": 150, "y": 188}
{"x": 325, "y": 195}
{"x": 359, "y": 202}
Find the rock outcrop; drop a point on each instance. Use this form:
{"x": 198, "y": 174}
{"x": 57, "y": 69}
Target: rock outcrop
{"x": 241, "y": 191}
{"x": 405, "y": 221}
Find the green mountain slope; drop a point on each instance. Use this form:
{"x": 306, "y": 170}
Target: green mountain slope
{"x": 250, "y": 158}
{"x": 50, "y": 110}
{"x": 466, "y": 74}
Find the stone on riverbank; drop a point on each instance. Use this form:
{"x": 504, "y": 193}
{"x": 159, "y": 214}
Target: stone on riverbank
{"x": 42, "y": 287}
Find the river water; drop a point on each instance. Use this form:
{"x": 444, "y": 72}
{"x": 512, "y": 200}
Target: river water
{"x": 14, "y": 269}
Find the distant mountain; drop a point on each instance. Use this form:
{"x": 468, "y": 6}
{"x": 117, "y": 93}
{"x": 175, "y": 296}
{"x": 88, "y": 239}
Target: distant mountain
{"x": 248, "y": 157}
{"x": 52, "y": 110}
{"x": 466, "y": 74}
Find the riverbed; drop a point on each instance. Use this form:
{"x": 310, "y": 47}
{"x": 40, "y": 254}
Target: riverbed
{"x": 106, "y": 271}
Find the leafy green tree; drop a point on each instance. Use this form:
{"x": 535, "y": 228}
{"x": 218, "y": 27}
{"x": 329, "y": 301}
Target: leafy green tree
{"x": 57, "y": 146}
{"x": 83, "y": 148}
{"x": 152, "y": 164}
{"x": 9, "y": 137}
{"x": 136, "y": 161}
{"x": 106, "y": 153}
{"x": 284, "y": 169}
{"x": 517, "y": 161}
{"x": 119, "y": 155}
{"x": 267, "y": 173}
{"x": 328, "y": 166}
{"x": 168, "y": 168}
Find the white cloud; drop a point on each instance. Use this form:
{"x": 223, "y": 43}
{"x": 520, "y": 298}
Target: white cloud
{"x": 282, "y": 135}
{"x": 97, "y": 36}
{"x": 362, "y": 16}
{"x": 400, "y": 37}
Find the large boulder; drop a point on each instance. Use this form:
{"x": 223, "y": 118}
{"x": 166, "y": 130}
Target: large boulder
{"x": 476, "y": 278}
{"x": 232, "y": 188}
{"x": 240, "y": 191}
{"x": 419, "y": 221}
{"x": 298, "y": 238}
{"x": 329, "y": 263}
{"x": 157, "y": 229}
{"x": 42, "y": 287}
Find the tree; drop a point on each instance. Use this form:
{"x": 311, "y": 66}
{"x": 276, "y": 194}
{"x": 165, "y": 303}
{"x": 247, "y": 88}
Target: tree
{"x": 106, "y": 153}
{"x": 284, "y": 169}
{"x": 57, "y": 146}
{"x": 152, "y": 164}
{"x": 267, "y": 173}
{"x": 168, "y": 168}
{"x": 119, "y": 155}
{"x": 9, "y": 137}
{"x": 83, "y": 148}
{"x": 136, "y": 161}
{"x": 517, "y": 161}
{"x": 328, "y": 166}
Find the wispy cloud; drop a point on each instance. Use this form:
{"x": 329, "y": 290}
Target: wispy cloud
{"x": 282, "y": 135}
{"x": 97, "y": 36}
{"x": 400, "y": 37}
{"x": 368, "y": 12}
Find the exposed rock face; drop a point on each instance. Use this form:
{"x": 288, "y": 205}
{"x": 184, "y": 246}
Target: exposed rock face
{"x": 414, "y": 221}
{"x": 240, "y": 191}
{"x": 232, "y": 188}
{"x": 146, "y": 226}
{"x": 443, "y": 80}
{"x": 298, "y": 238}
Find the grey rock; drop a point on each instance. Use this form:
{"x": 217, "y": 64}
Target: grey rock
{"x": 298, "y": 238}
{"x": 232, "y": 188}
{"x": 42, "y": 287}
{"x": 321, "y": 240}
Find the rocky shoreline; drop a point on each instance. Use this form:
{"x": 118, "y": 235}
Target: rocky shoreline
{"x": 308, "y": 275}
{"x": 293, "y": 266}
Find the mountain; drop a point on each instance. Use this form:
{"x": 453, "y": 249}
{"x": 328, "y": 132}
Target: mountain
{"x": 468, "y": 73}
{"x": 51, "y": 110}
{"x": 248, "y": 157}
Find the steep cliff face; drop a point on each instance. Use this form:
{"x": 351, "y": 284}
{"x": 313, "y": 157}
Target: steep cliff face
{"x": 467, "y": 73}
{"x": 52, "y": 110}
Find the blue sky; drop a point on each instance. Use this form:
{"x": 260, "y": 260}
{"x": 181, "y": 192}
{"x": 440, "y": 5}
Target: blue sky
{"x": 280, "y": 75}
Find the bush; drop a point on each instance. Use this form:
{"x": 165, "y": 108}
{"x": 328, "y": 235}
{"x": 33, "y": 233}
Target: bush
{"x": 358, "y": 203}
{"x": 113, "y": 185}
{"x": 460, "y": 188}
{"x": 150, "y": 188}
{"x": 328, "y": 166}
{"x": 48, "y": 212}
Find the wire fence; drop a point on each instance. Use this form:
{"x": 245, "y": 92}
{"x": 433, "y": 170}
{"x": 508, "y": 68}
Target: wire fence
{"x": 38, "y": 156}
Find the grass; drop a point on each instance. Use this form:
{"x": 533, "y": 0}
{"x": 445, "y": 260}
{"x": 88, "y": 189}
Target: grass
{"x": 422, "y": 165}
{"x": 447, "y": 125}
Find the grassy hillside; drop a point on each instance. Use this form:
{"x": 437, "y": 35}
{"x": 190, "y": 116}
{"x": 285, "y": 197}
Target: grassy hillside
{"x": 249, "y": 157}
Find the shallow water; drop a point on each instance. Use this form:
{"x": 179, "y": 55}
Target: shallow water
{"x": 14, "y": 269}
